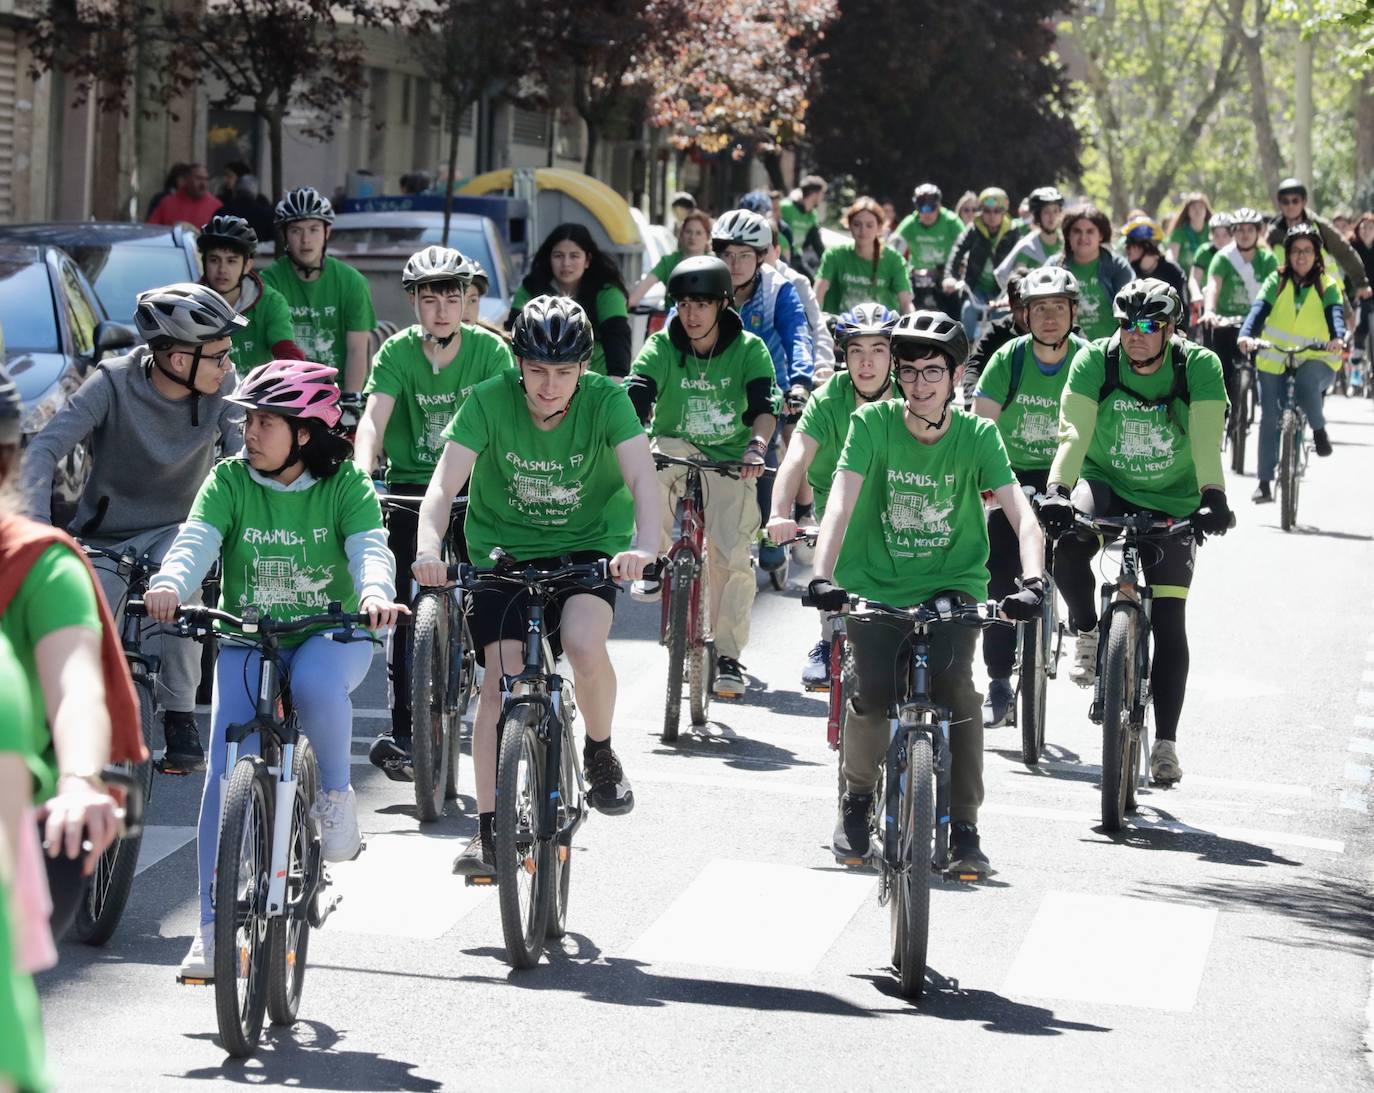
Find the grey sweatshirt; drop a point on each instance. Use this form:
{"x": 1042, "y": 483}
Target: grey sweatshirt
{"x": 146, "y": 456}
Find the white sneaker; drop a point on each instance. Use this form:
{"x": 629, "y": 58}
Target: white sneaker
{"x": 199, "y": 964}
{"x": 644, "y": 591}
{"x": 1083, "y": 671}
{"x": 337, "y": 813}
{"x": 1164, "y": 763}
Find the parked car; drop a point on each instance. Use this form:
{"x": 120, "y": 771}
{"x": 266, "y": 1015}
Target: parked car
{"x": 55, "y": 331}
{"x": 378, "y": 244}
{"x": 120, "y": 260}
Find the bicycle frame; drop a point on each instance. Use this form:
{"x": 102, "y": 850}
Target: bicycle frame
{"x": 685, "y": 560}
{"x": 835, "y": 717}
{"x": 1126, "y": 593}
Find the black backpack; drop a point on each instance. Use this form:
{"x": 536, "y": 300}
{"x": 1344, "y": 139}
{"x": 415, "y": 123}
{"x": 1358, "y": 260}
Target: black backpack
{"x": 1018, "y": 362}
{"x": 1179, "y": 391}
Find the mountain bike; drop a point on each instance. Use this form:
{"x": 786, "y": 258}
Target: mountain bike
{"x": 540, "y": 793}
{"x": 1039, "y": 644}
{"x": 916, "y": 787}
{"x": 439, "y": 673}
{"x": 1121, "y": 692}
{"x": 107, "y": 888}
{"x": 1294, "y": 447}
{"x": 269, "y": 875}
{"x": 1244, "y": 398}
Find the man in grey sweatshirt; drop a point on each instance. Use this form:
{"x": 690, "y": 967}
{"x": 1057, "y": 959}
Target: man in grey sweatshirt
{"x": 155, "y": 419}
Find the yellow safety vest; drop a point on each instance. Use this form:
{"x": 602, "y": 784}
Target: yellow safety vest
{"x": 1289, "y": 326}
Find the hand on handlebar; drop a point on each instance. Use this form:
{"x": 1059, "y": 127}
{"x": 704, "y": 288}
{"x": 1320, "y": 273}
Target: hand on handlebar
{"x": 753, "y": 464}
{"x": 781, "y": 530}
{"x": 629, "y": 565}
{"x": 430, "y": 571}
{"x": 1214, "y": 517}
{"x": 380, "y": 613}
{"x": 1023, "y": 605}
{"x": 1247, "y": 345}
{"x": 1056, "y": 511}
{"x": 825, "y": 595}
{"x": 1335, "y": 345}
{"x": 160, "y": 604}
{"x": 79, "y": 821}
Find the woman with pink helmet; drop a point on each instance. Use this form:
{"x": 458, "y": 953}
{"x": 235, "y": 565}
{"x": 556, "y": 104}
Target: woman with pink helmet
{"x": 297, "y": 526}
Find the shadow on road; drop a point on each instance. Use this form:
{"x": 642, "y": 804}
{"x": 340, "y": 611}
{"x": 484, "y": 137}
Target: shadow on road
{"x": 945, "y": 1000}
{"x": 1303, "y": 529}
{"x": 719, "y": 741}
{"x": 1207, "y": 845}
{"x": 307, "y": 1054}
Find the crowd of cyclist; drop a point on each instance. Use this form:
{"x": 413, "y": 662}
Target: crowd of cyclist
{"x": 906, "y": 386}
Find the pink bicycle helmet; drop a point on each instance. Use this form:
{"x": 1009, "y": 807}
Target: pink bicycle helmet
{"x": 300, "y": 389}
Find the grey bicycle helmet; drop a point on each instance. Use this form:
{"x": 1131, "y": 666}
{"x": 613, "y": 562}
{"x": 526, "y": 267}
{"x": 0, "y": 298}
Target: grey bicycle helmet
{"x": 1244, "y": 215}
{"x": 11, "y": 410}
{"x": 304, "y": 203}
{"x": 1292, "y": 186}
{"x": 1147, "y": 298}
{"x": 552, "y": 330}
{"x": 230, "y": 232}
{"x": 184, "y": 314}
{"x": 472, "y": 270}
{"x": 867, "y": 320}
{"x": 1049, "y": 282}
{"x": 1042, "y": 196}
{"x": 740, "y": 227}
{"x": 434, "y": 265}
{"x": 704, "y": 275}
{"x": 932, "y": 330}
{"x": 926, "y": 192}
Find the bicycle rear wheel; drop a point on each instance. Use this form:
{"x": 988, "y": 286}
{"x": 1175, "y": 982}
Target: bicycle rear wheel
{"x": 241, "y": 922}
{"x": 524, "y": 863}
{"x": 701, "y": 656}
{"x": 1289, "y": 440}
{"x": 107, "y": 890}
{"x": 910, "y": 909}
{"x": 1118, "y": 690}
{"x": 429, "y": 687}
{"x": 1036, "y": 637}
{"x": 1240, "y": 421}
{"x": 679, "y": 593}
{"x": 288, "y": 936}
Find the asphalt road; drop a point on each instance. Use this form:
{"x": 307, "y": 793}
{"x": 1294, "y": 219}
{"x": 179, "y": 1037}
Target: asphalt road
{"x": 1223, "y": 941}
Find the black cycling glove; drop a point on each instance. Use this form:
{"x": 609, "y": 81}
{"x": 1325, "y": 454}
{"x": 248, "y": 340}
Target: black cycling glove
{"x": 823, "y": 594}
{"x": 1024, "y": 605}
{"x": 1214, "y": 517}
{"x": 1056, "y": 511}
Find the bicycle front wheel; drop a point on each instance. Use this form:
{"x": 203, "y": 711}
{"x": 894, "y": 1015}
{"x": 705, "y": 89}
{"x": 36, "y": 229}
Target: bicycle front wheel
{"x": 1240, "y": 421}
{"x": 1289, "y": 442}
{"x": 1036, "y": 637}
{"x": 570, "y": 801}
{"x": 241, "y": 923}
{"x": 524, "y": 862}
{"x": 107, "y": 891}
{"x": 430, "y": 742}
{"x": 701, "y": 654}
{"x": 463, "y": 689}
{"x": 679, "y": 593}
{"x": 288, "y": 936}
{"x": 910, "y": 910}
{"x": 1118, "y": 689}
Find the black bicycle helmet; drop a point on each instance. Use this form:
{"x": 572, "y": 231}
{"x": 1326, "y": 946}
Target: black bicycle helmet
{"x": 552, "y": 330}
{"x": 11, "y": 409}
{"x": 1042, "y": 196}
{"x": 704, "y": 275}
{"x": 304, "y": 203}
{"x": 231, "y": 232}
{"x": 1147, "y": 298}
{"x": 932, "y": 330}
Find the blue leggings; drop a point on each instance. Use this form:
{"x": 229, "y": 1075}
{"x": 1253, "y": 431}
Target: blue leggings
{"x": 323, "y": 673}
{"x": 1314, "y": 377}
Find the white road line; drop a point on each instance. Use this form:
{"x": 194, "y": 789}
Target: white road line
{"x": 781, "y": 918}
{"x": 1365, "y": 698}
{"x": 1073, "y": 950}
{"x": 1357, "y": 773}
{"x": 1369, "y": 656}
{"x": 1363, "y": 721}
{"x": 1361, "y": 744}
{"x": 1281, "y": 789}
{"x": 1354, "y": 800}
{"x": 1367, "y": 675}
{"x": 159, "y": 841}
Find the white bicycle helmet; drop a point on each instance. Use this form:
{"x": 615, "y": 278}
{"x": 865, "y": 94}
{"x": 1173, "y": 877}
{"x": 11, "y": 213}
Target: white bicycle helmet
{"x": 435, "y": 265}
{"x": 740, "y": 227}
{"x": 304, "y": 203}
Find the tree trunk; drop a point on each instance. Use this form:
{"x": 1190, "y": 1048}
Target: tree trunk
{"x": 1364, "y": 133}
{"x": 455, "y": 122}
{"x": 772, "y": 163}
{"x": 1222, "y": 83}
{"x": 1250, "y": 43}
{"x": 274, "y": 141}
{"x": 593, "y": 142}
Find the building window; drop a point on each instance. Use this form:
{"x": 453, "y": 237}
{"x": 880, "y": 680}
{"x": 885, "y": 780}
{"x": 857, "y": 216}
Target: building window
{"x": 529, "y": 127}
{"x": 469, "y": 122}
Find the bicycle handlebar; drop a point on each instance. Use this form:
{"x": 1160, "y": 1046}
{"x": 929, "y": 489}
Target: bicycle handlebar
{"x": 728, "y": 467}
{"x": 939, "y": 609}
{"x": 255, "y": 622}
{"x": 1141, "y": 524}
{"x": 804, "y": 535}
{"x": 412, "y": 504}
{"x": 1311, "y": 347}
{"x": 468, "y": 576}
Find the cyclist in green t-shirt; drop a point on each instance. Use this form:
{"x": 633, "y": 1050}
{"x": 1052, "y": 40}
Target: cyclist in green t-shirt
{"x": 1219, "y": 233}
{"x": 693, "y": 238}
{"x": 865, "y": 269}
{"x": 1141, "y": 421}
{"x": 1187, "y": 228}
{"x": 1100, "y": 273}
{"x": 227, "y": 245}
{"x": 330, "y": 301}
{"x": 862, "y": 333}
{"x": 557, "y": 465}
{"x": 1234, "y": 278}
{"x": 419, "y": 379}
{"x": 927, "y": 235}
{"x": 1043, "y": 241}
{"x": 905, "y": 523}
{"x": 799, "y": 214}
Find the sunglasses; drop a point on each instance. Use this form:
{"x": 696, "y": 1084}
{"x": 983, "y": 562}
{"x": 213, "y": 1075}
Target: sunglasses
{"x": 993, "y": 207}
{"x": 1291, "y": 199}
{"x": 1142, "y": 326}
{"x": 927, "y": 208}
{"x": 931, "y": 373}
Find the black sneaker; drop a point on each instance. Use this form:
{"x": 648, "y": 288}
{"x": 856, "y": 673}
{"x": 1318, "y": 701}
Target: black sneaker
{"x": 391, "y": 755}
{"x": 478, "y": 858}
{"x": 1321, "y": 442}
{"x": 1263, "y": 495}
{"x": 997, "y": 705}
{"x": 609, "y": 791}
{"x": 966, "y": 857}
{"x": 184, "y": 753}
{"x": 850, "y": 842}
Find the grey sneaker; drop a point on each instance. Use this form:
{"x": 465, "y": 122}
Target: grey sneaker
{"x": 646, "y": 591}
{"x": 1083, "y": 670}
{"x": 997, "y": 705}
{"x": 1164, "y": 765}
{"x": 337, "y": 813}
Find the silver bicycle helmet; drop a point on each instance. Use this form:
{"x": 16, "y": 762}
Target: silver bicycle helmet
{"x": 932, "y": 330}
{"x": 1147, "y": 298}
{"x": 184, "y": 314}
{"x": 1048, "y": 282}
{"x": 434, "y": 265}
{"x": 304, "y": 203}
{"x": 740, "y": 227}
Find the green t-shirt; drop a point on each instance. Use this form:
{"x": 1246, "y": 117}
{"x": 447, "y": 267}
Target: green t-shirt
{"x": 854, "y": 280}
{"x": 825, "y": 419}
{"x": 1202, "y": 258}
{"x": 57, "y": 593}
{"x": 537, "y": 493}
{"x": 930, "y": 246}
{"x": 703, "y": 401}
{"x": 918, "y": 526}
{"x": 426, "y": 401}
{"x": 1094, "y": 309}
{"x": 1030, "y": 424}
{"x": 1188, "y": 243}
{"x": 326, "y": 310}
{"x": 611, "y": 303}
{"x": 1025, "y": 259}
{"x": 269, "y": 322}
{"x": 1234, "y": 298}
{"x": 798, "y": 219}
{"x": 1141, "y": 449}
{"x": 283, "y": 550}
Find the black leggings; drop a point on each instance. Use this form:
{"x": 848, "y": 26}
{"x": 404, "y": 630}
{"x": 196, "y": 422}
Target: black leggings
{"x": 1168, "y": 569}
{"x": 1004, "y": 566}
{"x": 1222, "y": 341}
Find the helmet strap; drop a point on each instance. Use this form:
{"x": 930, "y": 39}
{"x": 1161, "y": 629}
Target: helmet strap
{"x": 305, "y": 271}
{"x": 426, "y": 336}
{"x": 189, "y": 382}
{"x": 878, "y": 395}
{"x": 292, "y": 458}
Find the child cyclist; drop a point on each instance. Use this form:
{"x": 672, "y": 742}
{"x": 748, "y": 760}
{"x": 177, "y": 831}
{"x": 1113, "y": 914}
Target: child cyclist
{"x": 904, "y": 522}
{"x": 863, "y": 333}
{"x": 297, "y": 526}
{"x": 560, "y": 469}
{"x": 420, "y": 377}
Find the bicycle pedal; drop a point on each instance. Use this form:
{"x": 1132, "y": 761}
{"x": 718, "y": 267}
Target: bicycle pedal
{"x": 478, "y": 882}
{"x": 817, "y": 688}
{"x": 196, "y": 981}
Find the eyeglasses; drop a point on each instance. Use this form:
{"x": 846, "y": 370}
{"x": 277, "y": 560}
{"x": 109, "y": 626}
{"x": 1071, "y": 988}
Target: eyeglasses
{"x": 214, "y": 360}
{"x": 738, "y": 257}
{"x": 931, "y": 373}
{"x": 1142, "y": 326}
{"x": 1301, "y": 248}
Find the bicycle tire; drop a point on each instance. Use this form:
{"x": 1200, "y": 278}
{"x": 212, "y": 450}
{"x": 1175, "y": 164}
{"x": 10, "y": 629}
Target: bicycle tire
{"x": 288, "y": 935}
{"x": 678, "y": 592}
{"x": 1034, "y": 682}
{"x": 106, "y": 893}
{"x": 521, "y": 859}
{"x": 1288, "y": 471}
{"x": 910, "y": 910}
{"x": 430, "y": 740}
{"x": 701, "y": 657}
{"x": 466, "y": 689}
{"x": 1118, "y": 688}
{"x": 845, "y": 687}
{"x": 1240, "y": 425}
{"x": 568, "y": 791}
{"x": 241, "y": 927}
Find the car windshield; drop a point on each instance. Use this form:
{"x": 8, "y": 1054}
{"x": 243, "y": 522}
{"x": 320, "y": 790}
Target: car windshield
{"x": 470, "y": 240}
{"x": 119, "y": 273}
{"x": 26, "y": 308}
